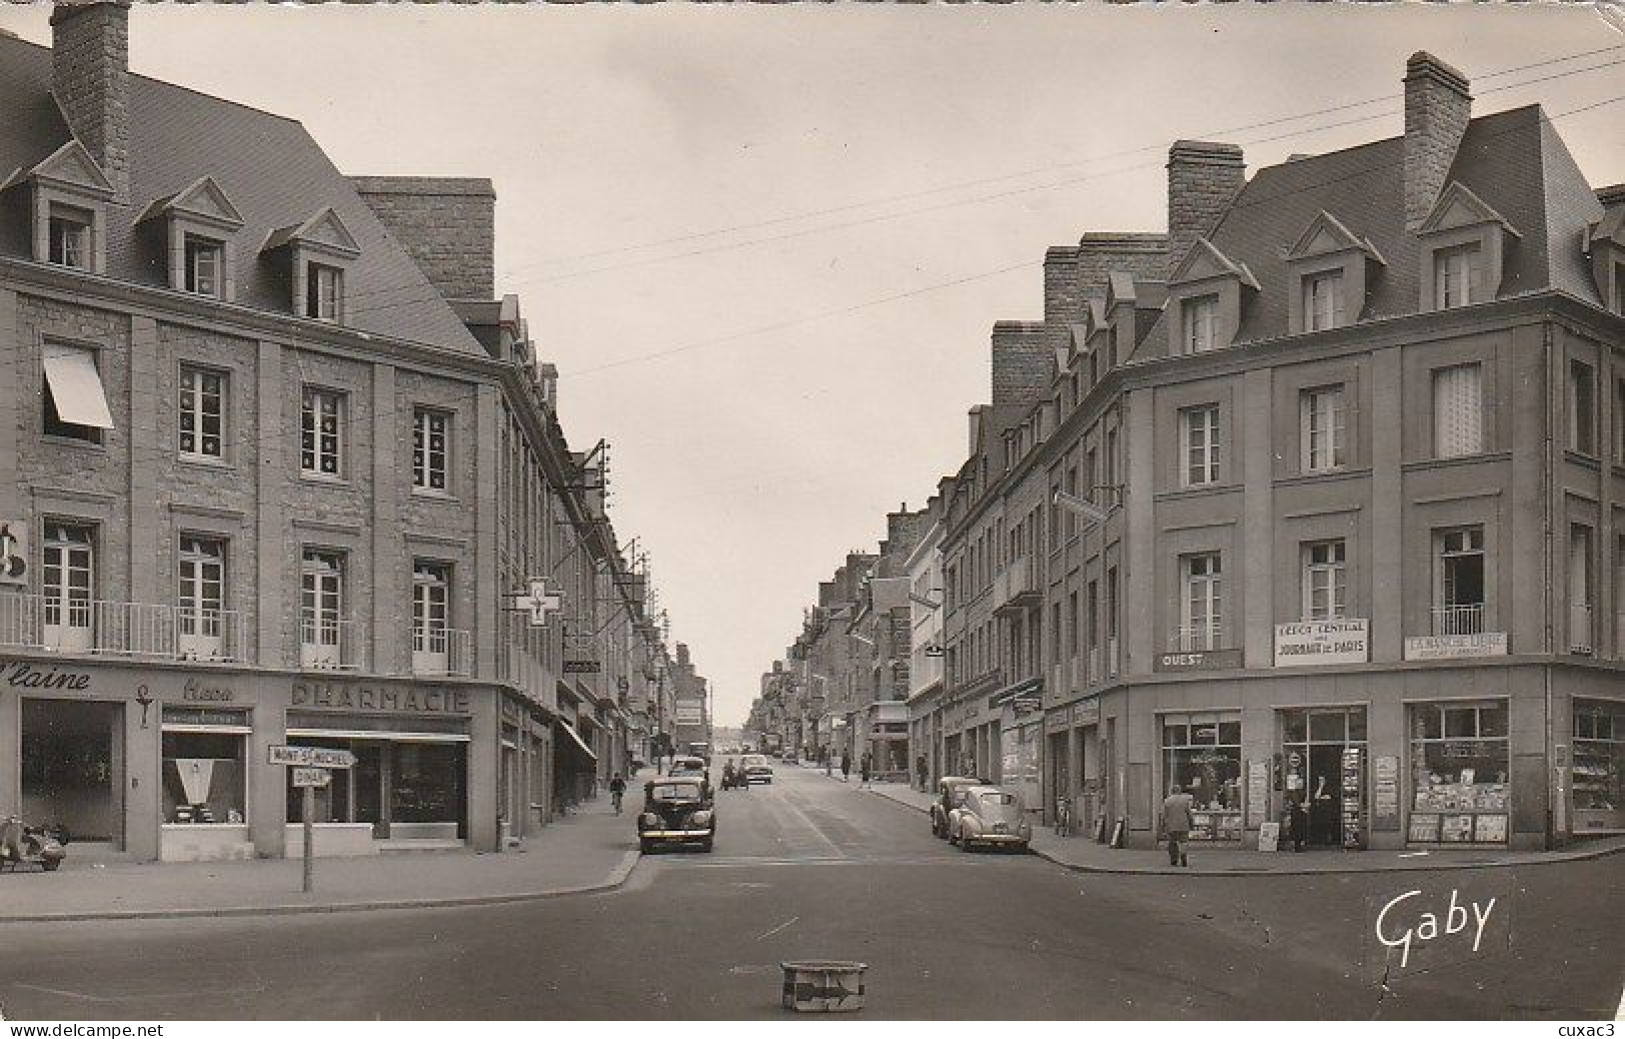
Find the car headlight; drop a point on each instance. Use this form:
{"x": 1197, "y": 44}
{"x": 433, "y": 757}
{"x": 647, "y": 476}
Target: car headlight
{"x": 700, "y": 818}
{"x": 649, "y": 819}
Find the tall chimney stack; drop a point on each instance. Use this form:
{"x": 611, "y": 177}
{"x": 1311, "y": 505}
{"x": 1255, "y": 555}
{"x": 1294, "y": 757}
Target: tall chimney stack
{"x": 90, "y": 79}
{"x": 1437, "y": 108}
{"x": 1204, "y": 177}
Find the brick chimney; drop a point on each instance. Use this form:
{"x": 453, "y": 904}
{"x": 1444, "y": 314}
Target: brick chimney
{"x": 447, "y": 224}
{"x": 1023, "y": 363}
{"x": 90, "y": 79}
{"x": 1204, "y": 177}
{"x": 1437, "y": 108}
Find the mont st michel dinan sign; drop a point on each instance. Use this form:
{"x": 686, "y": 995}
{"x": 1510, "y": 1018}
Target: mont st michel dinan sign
{"x": 379, "y": 696}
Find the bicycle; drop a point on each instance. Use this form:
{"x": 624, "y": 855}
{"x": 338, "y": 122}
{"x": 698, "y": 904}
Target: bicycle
{"x": 1063, "y": 817}
{"x": 615, "y": 799}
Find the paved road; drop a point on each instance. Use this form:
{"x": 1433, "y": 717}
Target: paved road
{"x": 812, "y": 868}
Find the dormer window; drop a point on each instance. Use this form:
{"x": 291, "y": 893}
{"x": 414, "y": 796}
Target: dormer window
{"x": 1463, "y": 241}
{"x": 1206, "y": 297}
{"x": 70, "y": 231}
{"x": 1323, "y": 301}
{"x": 1201, "y": 323}
{"x": 1329, "y": 266}
{"x": 318, "y": 253}
{"x": 324, "y": 288}
{"x": 1455, "y": 273}
{"x": 205, "y": 262}
{"x": 194, "y": 228}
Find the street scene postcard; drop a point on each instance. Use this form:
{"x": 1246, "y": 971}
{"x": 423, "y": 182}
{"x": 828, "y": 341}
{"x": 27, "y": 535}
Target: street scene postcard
{"x": 1103, "y": 515}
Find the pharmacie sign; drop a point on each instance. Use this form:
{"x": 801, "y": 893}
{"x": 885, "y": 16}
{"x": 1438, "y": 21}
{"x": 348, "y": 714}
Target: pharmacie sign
{"x": 380, "y": 696}
{"x": 1313, "y": 643}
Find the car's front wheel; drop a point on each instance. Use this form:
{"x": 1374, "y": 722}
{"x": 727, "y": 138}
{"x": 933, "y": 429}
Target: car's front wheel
{"x": 646, "y": 846}
{"x": 964, "y": 842}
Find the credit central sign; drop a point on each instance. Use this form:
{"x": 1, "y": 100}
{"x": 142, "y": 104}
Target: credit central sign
{"x": 1314, "y": 643}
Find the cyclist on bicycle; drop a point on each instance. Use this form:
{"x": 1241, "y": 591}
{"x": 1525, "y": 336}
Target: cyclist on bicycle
{"x": 617, "y": 790}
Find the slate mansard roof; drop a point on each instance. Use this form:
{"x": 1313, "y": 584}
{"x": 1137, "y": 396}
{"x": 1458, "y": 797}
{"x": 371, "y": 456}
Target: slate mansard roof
{"x": 1514, "y": 161}
{"x": 269, "y": 167}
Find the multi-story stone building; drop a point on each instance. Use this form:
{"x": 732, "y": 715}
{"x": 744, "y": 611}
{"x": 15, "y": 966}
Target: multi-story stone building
{"x": 279, "y": 466}
{"x": 926, "y": 653}
{"x": 880, "y": 627}
{"x": 1328, "y": 500}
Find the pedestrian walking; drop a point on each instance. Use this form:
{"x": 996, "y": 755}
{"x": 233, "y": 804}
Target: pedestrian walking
{"x": 1176, "y": 823}
{"x": 923, "y": 770}
{"x": 864, "y": 769}
{"x": 846, "y": 766}
{"x": 617, "y": 790}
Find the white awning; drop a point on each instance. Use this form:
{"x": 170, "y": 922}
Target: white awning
{"x": 76, "y": 386}
{"x": 571, "y": 730}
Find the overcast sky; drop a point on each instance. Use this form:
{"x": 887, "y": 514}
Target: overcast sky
{"x": 765, "y": 245}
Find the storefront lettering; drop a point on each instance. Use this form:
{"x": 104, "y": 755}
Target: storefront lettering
{"x": 197, "y": 692}
{"x": 26, "y": 676}
{"x": 1426, "y": 928}
{"x": 345, "y": 696}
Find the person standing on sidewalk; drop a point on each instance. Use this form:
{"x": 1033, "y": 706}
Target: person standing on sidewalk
{"x": 924, "y": 772}
{"x": 1176, "y": 823}
{"x": 865, "y": 767}
{"x": 617, "y": 790}
{"x": 846, "y": 766}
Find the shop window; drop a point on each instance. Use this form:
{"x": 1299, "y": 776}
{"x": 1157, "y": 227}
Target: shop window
{"x": 1325, "y": 580}
{"x": 431, "y": 448}
{"x": 73, "y": 399}
{"x": 1459, "y": 774}
{"x": 1199, "y": 434}
{"x": 1459, "y": 581}
{"x": 201, "y": 413}
{"x": 1201, "y": 753}
{"x": 204, "y": 778}
{"x": 321, "y": 433}
{"x": 1598, "y": 779}
{"x": 1582, "y": 408}
{"x": 68, "y": 585}
{"x": 1458, "y": 411}
{"x": 1321, "y": 428}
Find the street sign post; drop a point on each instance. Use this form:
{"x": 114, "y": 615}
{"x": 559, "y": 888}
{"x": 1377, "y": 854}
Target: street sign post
{"x": 310, "y": 770}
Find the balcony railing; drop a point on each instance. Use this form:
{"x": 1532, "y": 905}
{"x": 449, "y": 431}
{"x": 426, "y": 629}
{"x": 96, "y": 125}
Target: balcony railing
{"x": 327, "y": 644}
{"x": 125, "y": 629}
{"x": 1192, "y": 638}
{"x": 1581, "y": 638}
{"x": 442, "y": 651}
{"x": 1464, "y": 619}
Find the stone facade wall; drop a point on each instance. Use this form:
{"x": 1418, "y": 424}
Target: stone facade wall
{"x": 90, "y": 79}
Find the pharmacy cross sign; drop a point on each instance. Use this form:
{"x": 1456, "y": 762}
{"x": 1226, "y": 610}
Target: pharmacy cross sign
{"x": 538, "y": 602}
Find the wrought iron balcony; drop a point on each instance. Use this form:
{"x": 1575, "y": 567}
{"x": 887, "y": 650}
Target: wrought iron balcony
{"x": 151, "y": 631}
{"x": 1460, "y": 619}
{"x": 1015, "y": 587}
{"x": 330, "y": 644}
{"x": 442, "y": 651}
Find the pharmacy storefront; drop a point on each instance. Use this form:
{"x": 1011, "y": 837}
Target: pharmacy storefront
{"x": 172, "y": 762}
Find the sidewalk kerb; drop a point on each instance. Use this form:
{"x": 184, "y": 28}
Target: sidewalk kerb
{"x": 616, "y": 879}
{"x": 1419, "y": 865}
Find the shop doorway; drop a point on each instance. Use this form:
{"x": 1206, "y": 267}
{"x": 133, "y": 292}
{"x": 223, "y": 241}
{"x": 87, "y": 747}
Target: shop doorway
{"x": 73, "y": 769}
{"x": 1314, "y": 741}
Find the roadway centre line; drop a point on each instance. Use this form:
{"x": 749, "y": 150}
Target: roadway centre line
{"x": 807, "y": 821}
{"x": 776, "y": 930}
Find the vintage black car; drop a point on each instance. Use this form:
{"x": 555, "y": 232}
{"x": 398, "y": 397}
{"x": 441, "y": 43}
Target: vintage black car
{"x": 677, "y": 810}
